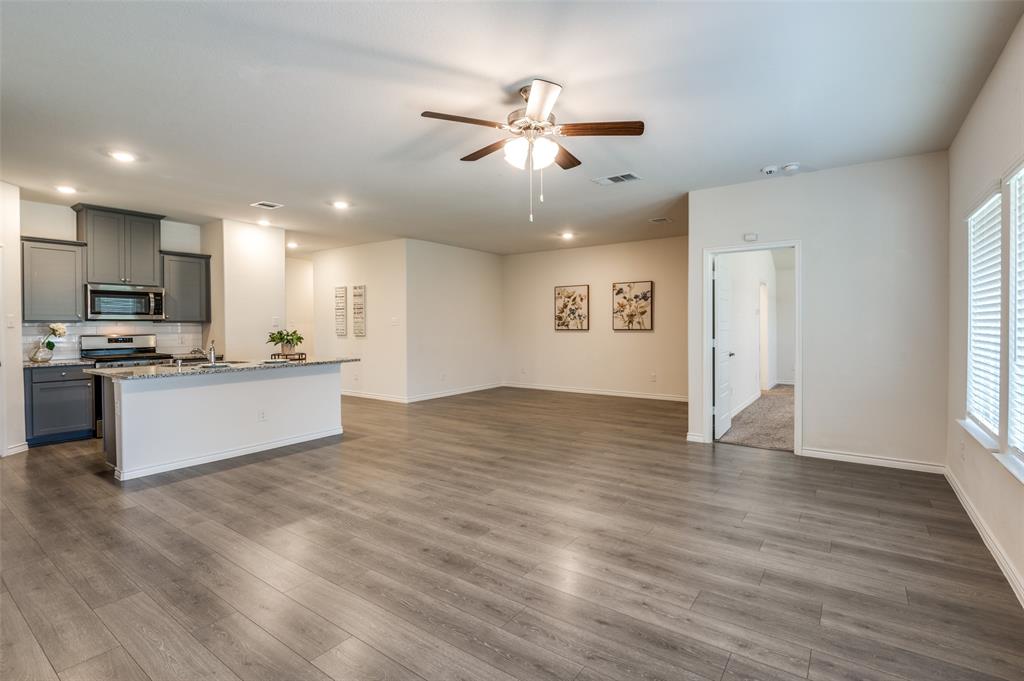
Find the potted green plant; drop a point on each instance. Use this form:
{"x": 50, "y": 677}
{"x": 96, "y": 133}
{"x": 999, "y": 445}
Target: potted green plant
{"x": 288, "y": 340}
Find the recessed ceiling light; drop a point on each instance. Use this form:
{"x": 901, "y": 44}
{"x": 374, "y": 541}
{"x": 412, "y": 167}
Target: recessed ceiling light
{"x": 292, "y": 244}
{"x": 568, "y": 236}
{"x": 123, "y": 156}
{"x": 264, "y": 223}
{"x": 340, "y": 205}
{"x": 65, "y": 189}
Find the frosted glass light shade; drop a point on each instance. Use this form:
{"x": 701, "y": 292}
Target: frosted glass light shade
{"x": 544, "y": 152}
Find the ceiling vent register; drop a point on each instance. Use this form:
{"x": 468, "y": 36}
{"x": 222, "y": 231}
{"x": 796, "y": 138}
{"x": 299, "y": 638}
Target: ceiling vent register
{"x": 616, "y": 179}
{"x": 267, "y": 205}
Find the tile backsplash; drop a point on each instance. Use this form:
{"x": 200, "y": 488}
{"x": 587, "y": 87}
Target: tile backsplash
{"x": 170, "y": 338}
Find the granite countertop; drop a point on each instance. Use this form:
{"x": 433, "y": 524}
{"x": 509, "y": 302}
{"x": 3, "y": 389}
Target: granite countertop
{"x": 71, "y": 362}
{"x": 171, "y": 371}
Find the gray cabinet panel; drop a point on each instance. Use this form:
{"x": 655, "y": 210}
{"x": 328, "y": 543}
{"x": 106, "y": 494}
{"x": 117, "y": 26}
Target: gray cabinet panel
{"x": 104, "y": 234}
{"x": 142, "y": 251}
{"x": 62, "y": 407}
{"x": 53, "y": 282}
{"x": 186, "y": 288}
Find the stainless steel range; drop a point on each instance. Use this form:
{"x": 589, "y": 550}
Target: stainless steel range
{"x": 123, "y": 351}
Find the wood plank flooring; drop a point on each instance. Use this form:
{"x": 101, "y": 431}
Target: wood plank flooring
{"x": 502, "y": 535}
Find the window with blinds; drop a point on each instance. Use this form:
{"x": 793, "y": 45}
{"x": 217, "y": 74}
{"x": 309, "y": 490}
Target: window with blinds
{"x": 984, "y": 317}
{"x": 1015, "y": 425}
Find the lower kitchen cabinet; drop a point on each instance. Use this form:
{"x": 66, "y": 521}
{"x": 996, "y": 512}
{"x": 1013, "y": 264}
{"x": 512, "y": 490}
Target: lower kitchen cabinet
{"x": 59, "y": 405}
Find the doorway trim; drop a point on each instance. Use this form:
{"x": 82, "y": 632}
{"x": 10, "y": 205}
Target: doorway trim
{"x": 707, "y": 303}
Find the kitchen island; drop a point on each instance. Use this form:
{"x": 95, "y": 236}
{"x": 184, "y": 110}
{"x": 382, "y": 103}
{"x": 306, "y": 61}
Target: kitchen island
{"x": 168, "y": 417}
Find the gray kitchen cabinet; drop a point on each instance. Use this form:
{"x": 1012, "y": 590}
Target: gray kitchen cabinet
{"x": 186, "y": 279}
{"x": 53, "y": 280}
{"x": 59, "y": 405}
{"x": 123, "y": 246}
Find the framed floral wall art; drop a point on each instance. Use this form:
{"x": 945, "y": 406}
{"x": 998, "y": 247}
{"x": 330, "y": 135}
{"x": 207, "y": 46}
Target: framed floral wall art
{"x": 633, "y": 306}
{"x": 572, "y": 308}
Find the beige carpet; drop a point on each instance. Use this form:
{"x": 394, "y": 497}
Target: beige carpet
{"x": 767, "y": 423}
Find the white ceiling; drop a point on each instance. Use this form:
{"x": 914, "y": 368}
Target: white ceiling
{"x": 230, "y": 103}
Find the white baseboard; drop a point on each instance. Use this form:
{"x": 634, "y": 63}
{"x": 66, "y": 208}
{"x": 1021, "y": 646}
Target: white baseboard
{"x": 224, "y": 454}
{"x": 872, "y": 460}
{"x": 746, "y": 403}
{"x": 1015, "y": 579}
{"x": 695, "y": 437}
{"x": 453, "y": 391}
{"x": 375, "y": 396}
{"x": 594, "y": 391}
{"x": 782, "y": 382}
{"x": 16, "y": 449}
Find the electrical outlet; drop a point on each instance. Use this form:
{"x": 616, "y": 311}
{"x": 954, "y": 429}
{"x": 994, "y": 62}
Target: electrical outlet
{"x": 444, "y": 377}
{"x": 261, "y": 415}
{"x": 523, "y": 371}
{"x": 654, "y": 378}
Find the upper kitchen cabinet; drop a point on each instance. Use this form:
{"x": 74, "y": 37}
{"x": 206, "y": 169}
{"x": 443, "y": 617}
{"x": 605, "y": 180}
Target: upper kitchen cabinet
{"x": 123, "y": 246}
{"x": 186, "y": 287}
{"x": 53, "y": 280}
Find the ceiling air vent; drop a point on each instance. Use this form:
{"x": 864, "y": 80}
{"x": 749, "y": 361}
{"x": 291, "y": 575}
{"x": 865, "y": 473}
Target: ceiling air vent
{"x": 616, "y": 179}
{"x": 268, "y": 205}
{"x": 660, "y": 221}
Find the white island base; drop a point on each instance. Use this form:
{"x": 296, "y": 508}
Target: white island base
{"x": 162, "y": 418}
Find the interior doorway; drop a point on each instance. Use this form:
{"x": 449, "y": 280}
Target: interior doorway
{"x": 753, "y": 343}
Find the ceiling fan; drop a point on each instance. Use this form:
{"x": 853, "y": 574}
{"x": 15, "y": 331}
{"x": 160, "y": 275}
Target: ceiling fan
{"x": 532, "y": 129}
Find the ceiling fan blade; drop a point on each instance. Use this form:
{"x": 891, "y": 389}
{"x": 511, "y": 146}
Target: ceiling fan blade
{"x": 480, "y": 153}
{"x": 604, "y": 128}
{"x": 543, "y": 94}
{"x": 566, "y": 160}
{"x": 463, "y": 119}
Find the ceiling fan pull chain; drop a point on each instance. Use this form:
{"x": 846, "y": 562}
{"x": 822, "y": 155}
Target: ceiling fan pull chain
{"x": 529, "y": 167}
{"x": 542, "y": 185}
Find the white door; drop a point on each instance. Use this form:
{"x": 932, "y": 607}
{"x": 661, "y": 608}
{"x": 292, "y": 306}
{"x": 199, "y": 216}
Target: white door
{"x": 722, "y": 348}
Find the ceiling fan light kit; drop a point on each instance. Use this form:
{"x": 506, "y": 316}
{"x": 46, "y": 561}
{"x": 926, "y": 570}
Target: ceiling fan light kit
{"x": 532, "y": 128}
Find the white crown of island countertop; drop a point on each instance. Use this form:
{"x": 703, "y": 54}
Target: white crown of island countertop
{"x": 172, "y": 370}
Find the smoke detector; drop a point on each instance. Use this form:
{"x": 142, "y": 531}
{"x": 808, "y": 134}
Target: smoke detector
{"x": 769, "y": 171}
{"x": 791, "y": 168}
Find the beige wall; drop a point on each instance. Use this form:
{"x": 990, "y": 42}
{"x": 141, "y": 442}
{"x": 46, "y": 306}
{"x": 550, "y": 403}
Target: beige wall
{"x": 247, "y": 287}
{"x": 785, "y": 320}
{"x": 298, "y": 287}
{"x": 381, "y": 266}
{"x": 455, "y": 319}
{"x": 989, "y": 145}
{"x": 600, "y": 360}
{"x": 13, "y": 415}
{"x": 874, "y": 282}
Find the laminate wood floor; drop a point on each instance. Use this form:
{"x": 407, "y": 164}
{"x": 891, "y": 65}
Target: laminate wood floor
{"x": 500, "y": 535}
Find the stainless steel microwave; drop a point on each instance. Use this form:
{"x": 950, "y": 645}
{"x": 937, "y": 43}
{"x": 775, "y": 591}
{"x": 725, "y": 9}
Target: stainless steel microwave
{"x": 123, "y": 301}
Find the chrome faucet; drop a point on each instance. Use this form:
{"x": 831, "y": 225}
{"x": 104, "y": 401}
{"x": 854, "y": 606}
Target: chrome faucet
{"x": 213, "y": 353}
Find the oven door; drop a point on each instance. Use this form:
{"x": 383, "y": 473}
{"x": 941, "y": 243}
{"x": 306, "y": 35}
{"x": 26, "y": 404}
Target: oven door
{"x": 110, "y": 301}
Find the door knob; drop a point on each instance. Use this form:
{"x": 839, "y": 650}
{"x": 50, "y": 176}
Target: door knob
{"x": 732, "y": 354}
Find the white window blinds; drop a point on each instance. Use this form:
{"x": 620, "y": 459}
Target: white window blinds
{"x": 985, "y": 309}
{"x": 1015, "y": 428}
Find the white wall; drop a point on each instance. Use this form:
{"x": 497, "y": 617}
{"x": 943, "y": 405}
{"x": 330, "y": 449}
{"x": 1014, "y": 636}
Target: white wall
{"x": 454, "y": 319}
{"x": 874, "y": 281}
{"x": 247, "y": 287}
{"x": 600, "y": 360}
{"x": 381, "y": 266}
{"x": 990, "y": 143}
{"x": 785, "y": 319}
{"x": 13, "y": 415}
{"x": 298, "y": 303}
{"x": 748, "y": 270}
{"x": 53, "y": 221}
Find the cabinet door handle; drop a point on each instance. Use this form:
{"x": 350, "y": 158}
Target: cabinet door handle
{"x": 63, "y": 373}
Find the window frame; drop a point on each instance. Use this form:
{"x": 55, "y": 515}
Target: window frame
{"x": 1011, "y": 220}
